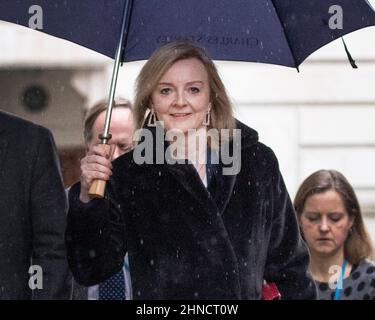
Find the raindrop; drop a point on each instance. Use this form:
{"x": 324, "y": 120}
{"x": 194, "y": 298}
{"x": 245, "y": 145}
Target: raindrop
{"x": 151, "y": 262}
{"x": 92, "y": 254}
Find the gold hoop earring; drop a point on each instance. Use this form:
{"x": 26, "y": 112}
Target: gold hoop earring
{"x": 152, "y": 119}
{"x": 207, "y": 119}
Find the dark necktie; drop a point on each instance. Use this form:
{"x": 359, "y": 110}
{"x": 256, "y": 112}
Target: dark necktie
{"x": 113, "y": 288}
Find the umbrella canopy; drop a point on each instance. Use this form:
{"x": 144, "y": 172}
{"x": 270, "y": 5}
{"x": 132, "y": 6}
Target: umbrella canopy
{"x": 283, "y": 32}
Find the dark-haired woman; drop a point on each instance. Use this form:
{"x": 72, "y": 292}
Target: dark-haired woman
{"x": 332, "y": 225}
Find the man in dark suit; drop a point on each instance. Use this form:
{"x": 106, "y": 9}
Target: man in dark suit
{"x": 33, "y": 209}
{"x": 122, "y": 129}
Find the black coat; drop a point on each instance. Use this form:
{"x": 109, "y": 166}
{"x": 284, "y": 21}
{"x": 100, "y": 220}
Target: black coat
{"x": 33, "y": 209}
{"x": 187, "y": 242}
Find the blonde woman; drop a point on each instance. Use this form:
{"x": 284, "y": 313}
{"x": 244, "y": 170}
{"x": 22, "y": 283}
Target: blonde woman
{"x": 197, "y": 222}
{"x": 332, "y": 225}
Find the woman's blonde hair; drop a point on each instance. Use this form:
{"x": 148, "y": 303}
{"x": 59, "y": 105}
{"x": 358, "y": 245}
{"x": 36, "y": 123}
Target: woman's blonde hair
{"x": 160, "y": 62}
{"x": 358, "y": 246}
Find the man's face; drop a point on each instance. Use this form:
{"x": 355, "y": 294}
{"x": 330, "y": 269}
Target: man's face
{"x": 122, "y": 129}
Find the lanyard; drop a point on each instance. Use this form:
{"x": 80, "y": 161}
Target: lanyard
{"x": 126, "y": 262}
{"x": 340, "y": 282}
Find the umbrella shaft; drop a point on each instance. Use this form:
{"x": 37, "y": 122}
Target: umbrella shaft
{"x": 106, "y": 136}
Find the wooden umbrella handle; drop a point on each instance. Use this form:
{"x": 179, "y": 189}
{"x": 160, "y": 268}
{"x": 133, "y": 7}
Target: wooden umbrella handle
{"x": 97, "y": 188}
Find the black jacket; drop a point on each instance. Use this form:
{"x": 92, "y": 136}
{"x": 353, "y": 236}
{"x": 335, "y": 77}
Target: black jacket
{"x": 187, "y": 242}
{"x": 33, "y": 209}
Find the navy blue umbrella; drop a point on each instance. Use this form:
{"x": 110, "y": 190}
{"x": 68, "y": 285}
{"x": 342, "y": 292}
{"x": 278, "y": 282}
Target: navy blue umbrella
{"x": 283, "y": 32}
